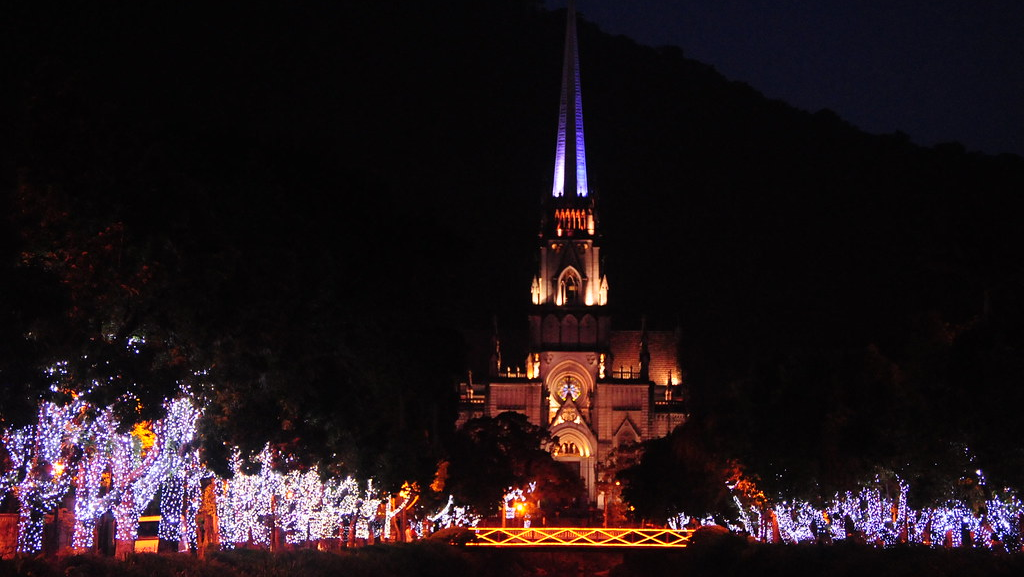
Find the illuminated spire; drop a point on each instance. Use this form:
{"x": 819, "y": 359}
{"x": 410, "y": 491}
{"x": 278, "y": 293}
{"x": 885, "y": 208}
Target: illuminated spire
{"x": 571, "y": 163}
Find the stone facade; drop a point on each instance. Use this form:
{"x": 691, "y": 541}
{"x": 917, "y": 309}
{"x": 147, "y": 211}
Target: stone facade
{"x": 592, "y": 400}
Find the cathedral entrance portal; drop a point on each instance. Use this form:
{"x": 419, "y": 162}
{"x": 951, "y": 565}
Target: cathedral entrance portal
{"x": 577, "y": 446}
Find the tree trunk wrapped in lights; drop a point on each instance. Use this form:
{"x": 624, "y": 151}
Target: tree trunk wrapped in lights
{"x": 44, "y": 476}
{"x": 92, "y": 479}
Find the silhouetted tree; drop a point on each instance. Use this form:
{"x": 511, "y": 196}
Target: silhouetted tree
{"x": 490, "y": 455}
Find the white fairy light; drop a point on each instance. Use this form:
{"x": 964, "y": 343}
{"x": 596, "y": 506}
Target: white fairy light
{"x": 887, "y": 519}
{"x": 90, "y": 502}
{"x": 45, "y": 478}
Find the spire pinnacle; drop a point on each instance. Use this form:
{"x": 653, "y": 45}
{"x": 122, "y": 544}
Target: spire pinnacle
{"x": 570, "y": 155}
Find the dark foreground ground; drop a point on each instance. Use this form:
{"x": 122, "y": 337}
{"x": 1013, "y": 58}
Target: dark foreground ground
{"x": 720, "y": 559}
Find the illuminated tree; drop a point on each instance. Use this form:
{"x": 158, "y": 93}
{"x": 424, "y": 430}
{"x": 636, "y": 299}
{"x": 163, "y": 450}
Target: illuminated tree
{"x": 92, "y": 477}
{"x": 45, "y": 477}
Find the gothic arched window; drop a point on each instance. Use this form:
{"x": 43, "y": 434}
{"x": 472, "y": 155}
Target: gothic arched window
{"x": 571, "y": 288}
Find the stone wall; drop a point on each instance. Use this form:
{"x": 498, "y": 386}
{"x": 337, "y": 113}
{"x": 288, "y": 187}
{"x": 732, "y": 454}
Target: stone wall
{"x": 56, "y": 536}
{"x": 8, "y": 534}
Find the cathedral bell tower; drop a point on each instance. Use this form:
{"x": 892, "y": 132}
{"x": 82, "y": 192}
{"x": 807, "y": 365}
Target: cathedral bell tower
{"x": 569, "y": 267}
{"x": 569, "y": 326}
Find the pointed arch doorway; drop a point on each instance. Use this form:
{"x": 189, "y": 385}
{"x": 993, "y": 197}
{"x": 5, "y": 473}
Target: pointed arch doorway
{"x": 577, "y": 447}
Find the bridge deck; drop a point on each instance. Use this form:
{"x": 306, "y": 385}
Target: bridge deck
{"x": 579, "y": 537}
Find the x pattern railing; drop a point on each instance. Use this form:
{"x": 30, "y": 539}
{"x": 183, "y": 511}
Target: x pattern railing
{"x": 580, "y": 537}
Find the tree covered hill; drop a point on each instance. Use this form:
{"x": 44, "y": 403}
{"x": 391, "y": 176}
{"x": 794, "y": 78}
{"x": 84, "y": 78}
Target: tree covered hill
{"x": 371, "y": 174}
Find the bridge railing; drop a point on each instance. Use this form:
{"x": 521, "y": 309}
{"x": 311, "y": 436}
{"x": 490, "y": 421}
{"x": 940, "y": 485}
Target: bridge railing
{"x": 579, "y": 537}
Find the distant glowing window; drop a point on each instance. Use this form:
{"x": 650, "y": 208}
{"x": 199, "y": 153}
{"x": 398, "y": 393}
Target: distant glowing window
{"x": 570, "y": 288}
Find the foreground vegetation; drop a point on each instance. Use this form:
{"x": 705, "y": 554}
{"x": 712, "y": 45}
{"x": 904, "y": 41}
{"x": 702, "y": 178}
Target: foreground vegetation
{"x": 725, "y": 556}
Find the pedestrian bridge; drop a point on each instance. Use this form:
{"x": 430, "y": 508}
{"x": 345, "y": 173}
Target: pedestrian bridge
{"x": 579, "y": 537}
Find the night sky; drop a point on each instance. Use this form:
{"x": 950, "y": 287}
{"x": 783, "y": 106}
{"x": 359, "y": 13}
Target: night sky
{"x": 939, "y": 71}
{"x": 759, "y": 219}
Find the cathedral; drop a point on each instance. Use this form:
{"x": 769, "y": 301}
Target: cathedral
{"x": 593, "y": 386}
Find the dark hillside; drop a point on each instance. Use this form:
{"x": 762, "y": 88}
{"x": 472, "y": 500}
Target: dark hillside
{"x": 399, "y": 151}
